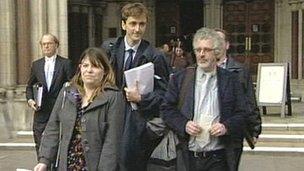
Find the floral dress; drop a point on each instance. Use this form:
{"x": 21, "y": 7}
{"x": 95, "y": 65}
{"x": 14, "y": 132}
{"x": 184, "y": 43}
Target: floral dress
{"x": 76, "y": 160}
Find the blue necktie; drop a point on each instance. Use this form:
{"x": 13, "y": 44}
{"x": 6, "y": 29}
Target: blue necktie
{"x": 128, "y": 63}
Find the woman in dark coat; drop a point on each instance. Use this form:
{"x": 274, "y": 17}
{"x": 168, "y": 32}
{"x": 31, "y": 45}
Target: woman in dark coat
{"x": 88, "y": 118}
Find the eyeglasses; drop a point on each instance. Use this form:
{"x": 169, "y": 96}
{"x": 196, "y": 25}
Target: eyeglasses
{"x": 47, "y": 43}
{"x": 203, "y": 50}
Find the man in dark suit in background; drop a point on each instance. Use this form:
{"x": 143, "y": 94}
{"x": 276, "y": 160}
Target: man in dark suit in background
{"x": 50, "y": 72}
{"x": 253, "y": 127}
{"x": 204, "y": 106}
{"x": 128, "y": 52}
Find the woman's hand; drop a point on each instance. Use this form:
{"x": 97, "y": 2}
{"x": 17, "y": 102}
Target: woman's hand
{"x": 40, "y": 167}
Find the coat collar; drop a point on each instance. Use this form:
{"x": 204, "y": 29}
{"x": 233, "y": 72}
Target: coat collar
{"x": 233, "y": 65}
{"x": 222, "y": 81}
{"x": 98, "y": 101}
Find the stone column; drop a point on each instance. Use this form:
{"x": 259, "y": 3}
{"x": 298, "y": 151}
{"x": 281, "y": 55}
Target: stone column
{"x": 212, "y": 13}
{"x": 7, "y": 43}
{"x": 300, "y": 43}
{"x": 23, "y": 39}
{"x": 52, "y": 17}
{"x": 63, "y": 27}
{"x": 282, "y": 32}
{"x": 38, "y": 14}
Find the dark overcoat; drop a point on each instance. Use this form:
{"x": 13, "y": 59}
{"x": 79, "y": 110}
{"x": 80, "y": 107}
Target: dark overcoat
{"x": 137, "y": 145}
{"x": 253, "y": 126}
{"x": 102, "y": 120}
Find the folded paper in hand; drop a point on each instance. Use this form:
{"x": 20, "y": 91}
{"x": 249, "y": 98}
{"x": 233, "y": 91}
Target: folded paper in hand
{"x": 144, "y": 74}
{"x": 38, "y": 91}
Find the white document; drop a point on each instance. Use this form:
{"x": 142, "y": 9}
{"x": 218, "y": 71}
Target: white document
{"x": 38, "y": 91}
{"x": 144, "y": 74}
{"x": 206, "y": 122}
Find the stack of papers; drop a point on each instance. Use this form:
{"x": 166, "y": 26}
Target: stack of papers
{"x": 144, "y": 75}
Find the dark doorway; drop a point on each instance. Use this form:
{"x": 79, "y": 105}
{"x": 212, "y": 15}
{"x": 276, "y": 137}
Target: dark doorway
{"x": 178, "y": 19}
{"x": 84, "y": 26}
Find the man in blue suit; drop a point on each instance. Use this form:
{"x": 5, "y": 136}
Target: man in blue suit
{"x": 204, "y": 106}
{"x": 51, "y": 72}
{"x": 127, "y": 52}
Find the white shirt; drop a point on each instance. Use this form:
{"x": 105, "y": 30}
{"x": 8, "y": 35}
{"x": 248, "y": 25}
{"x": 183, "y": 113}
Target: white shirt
{"x": 206, "y": 111}
{"x": 49, "y": 67}
{"x": 127, "y": 47}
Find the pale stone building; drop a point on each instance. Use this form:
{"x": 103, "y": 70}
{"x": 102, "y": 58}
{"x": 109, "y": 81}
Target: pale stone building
{"x": 274, "y": 27}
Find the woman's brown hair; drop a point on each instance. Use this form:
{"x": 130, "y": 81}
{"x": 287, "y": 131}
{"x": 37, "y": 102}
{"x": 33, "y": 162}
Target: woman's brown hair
{"x": 98, "y": 58}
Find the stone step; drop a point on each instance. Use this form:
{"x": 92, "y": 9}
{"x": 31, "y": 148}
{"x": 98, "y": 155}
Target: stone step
{"x": 283, "y": 127}
{"x": 17, "y": 146}
{"x": 276, "y": 144}
{"x": 24, "y": 134}
{"x": 281, "y": 138}
{"x": 269, "y": 150}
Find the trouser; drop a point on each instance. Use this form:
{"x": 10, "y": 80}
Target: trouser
{"x": 38, "y": 129}
{"x": 233, "y": 158}
{"x": 161, "y": 165}
{"x": 208, "y": 161}
{"x": 139, "y": 160}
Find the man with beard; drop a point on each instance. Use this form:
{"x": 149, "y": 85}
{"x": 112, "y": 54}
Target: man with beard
{"x": 204, "y": 107}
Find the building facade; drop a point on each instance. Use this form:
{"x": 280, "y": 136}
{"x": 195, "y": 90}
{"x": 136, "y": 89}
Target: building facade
{"x": 259, "y": 30}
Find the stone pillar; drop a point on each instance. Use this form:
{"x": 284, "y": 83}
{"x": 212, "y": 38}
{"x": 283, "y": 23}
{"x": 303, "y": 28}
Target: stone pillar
{"x": 63, "y": 27}
{"x": 282, "y": 32}
{"x": 38, "y": 14}
{"x": 213, "y": 13}
{"x": 7, "y": 43}
{"x": 23, "y": 39}
{"x": 52, "y": 17}
{"x": 300, "y": 43}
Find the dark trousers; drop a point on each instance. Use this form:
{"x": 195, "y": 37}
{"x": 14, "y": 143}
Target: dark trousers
{"x": 139, "y": 160}
{"x": 161, "y": 165}
{"x": 38, "y": 129}
{"x": 233, "y": 158}
{"x": 210, "y": 162}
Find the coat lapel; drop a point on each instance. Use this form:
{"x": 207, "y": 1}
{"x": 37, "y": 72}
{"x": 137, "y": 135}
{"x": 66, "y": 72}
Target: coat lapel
{"x": 139, "y": 54}
{"x": 100, "y": 100}
{"x": 42, "y": 73}
{"x": 222, "y": 81}
{"x": 190, "y": 91}
{"x": 57, "y": 67}
{"x": 120, "y": 56}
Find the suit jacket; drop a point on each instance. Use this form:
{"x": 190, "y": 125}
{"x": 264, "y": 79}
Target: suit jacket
{"x": 253, "y": 126}
{"x": 148, "y": 107}
{"x": 62, "y": 73}
{"x": 102, "y": 120}
{"x": 231, "y": 104}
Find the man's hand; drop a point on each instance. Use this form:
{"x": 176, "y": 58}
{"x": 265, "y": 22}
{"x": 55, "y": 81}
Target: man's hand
{"x": 40, "y": 167}
{"x": 32, "y": 104}
{"x": 132, "y": 94}
{"x": 193, "y": 128}
{"x": 218, "y": 129}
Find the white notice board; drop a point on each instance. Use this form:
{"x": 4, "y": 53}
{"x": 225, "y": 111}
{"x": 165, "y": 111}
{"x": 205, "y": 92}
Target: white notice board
{"x": 271, "y": 84}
